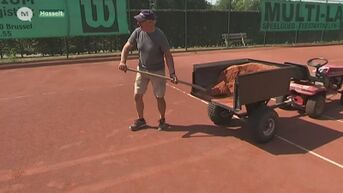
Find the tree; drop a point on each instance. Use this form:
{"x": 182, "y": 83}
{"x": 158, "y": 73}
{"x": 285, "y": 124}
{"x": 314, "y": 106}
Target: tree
{"x": 169, "y": 4}
{"x": 245, "y": 5}
{"x": 239, "y": 5}
{"x": 223, "y": 4}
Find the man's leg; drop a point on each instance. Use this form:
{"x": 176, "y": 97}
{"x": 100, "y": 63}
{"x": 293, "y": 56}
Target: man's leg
{"x": 140, "y": 88}
{"x": 141, "y": 85}
{"x": 159, "y": 86}
{"x": 161, "y": 103}
{"x": 139, "y": 105}
{"x": 140, "y": 122}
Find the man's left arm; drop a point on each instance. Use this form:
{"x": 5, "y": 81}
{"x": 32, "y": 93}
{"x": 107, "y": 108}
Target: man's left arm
{"x": 170, "y": 63}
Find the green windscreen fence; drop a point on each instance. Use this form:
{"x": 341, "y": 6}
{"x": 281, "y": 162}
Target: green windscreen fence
{"x": 279, "y": 15}
{"x": 61, "y": 18}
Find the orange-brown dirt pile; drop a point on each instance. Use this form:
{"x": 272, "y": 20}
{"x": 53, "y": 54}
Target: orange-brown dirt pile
{"x": 226, "y": 79}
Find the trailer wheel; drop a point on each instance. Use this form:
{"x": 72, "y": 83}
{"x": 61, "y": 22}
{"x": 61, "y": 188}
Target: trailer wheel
{"x": 315, "y": 106}
{"x": 252, "y": 107}
{"x": 263, "y": 123}
{"x": 219, "y": 115}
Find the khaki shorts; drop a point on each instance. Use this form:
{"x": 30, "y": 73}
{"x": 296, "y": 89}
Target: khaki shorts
{"x": 158, "y": 84}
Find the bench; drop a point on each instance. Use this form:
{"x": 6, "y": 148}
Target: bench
{"x": 230, "y": 38}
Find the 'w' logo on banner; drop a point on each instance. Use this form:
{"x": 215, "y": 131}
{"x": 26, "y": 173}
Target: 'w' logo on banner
{"x": 99, "y": 15}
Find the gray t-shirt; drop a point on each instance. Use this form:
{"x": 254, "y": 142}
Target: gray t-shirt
{"x": 151, "y": 47}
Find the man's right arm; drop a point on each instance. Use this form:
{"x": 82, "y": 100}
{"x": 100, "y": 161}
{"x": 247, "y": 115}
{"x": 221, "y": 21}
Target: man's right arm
{"x": 124, "y": 54}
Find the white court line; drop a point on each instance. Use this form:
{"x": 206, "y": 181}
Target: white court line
{"x": 312, "y": 152}
{"x": 281, "y": 138}
{"x": 55, "y": 92}
{"x": 184, "y": 92}
{"x": 331, "y": 118}
{"x": 325, "y": 116}
{"x": 16, "y": 97}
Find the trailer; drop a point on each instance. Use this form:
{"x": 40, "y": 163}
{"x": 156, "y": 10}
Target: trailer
{"x": 251, "y": 93}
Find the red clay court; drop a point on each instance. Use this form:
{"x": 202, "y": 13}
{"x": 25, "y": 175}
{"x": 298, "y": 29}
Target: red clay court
{"x": 64, "y": 128}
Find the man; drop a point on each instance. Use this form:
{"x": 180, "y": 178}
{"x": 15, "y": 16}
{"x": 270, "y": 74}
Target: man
{"x": 154, "y": 53}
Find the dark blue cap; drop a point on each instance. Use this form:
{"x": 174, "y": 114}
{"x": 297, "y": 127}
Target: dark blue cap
{"x": 145, "y": 15}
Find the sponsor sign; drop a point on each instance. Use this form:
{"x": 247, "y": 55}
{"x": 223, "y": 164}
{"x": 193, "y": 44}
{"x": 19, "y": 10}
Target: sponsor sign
{"x": 301, "y": 16}
{"x": 60, "y": 18}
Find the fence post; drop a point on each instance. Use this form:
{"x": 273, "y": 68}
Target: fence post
{"x": 228, "y": 21}
{"x": 265, "y": 38}
{"x": 68, "y": 29}
{"x": 322, "y": 35}
{"x": 152, "y": 4}
{"x": 66, "y": 43}
{"x": 323, "y": 31}
{"x": 186, "y": 26}
{"x": 296, "y": 37}
{"x": 1, "y": 46}
{"x": 21, "y": 48}
{"x": 297, "y": 32}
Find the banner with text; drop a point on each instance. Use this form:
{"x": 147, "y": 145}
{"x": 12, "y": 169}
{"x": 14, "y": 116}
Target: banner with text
{"x": 279, "y": 15}
{"x": 60, "y": 18}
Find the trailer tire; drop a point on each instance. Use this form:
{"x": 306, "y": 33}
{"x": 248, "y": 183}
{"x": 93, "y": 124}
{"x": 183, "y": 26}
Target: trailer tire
{"x": 263, "y": 123}
{"x": 252, "y": 107}
{"x": 219, "y": 115}
{"x": 315, "y": 106}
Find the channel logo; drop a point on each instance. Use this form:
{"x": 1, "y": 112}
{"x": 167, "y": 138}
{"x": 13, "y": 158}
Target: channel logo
{"x": 99, "y": 16}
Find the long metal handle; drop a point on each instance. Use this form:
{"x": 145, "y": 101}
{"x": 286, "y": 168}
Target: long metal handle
{"x": 168, "y": 78}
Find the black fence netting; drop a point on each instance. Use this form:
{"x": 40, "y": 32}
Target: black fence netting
{"x": 184, "y": 29}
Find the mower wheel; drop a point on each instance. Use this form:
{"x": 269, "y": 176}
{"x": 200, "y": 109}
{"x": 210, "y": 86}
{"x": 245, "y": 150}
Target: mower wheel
{"x": 315, "y": 106}
{"x": 219, "y": 115}
{"x": 263, "y": 123}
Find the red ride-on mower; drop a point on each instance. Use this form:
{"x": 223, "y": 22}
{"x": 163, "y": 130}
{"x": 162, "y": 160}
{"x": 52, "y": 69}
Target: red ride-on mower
{"x": 310, "y": 95}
